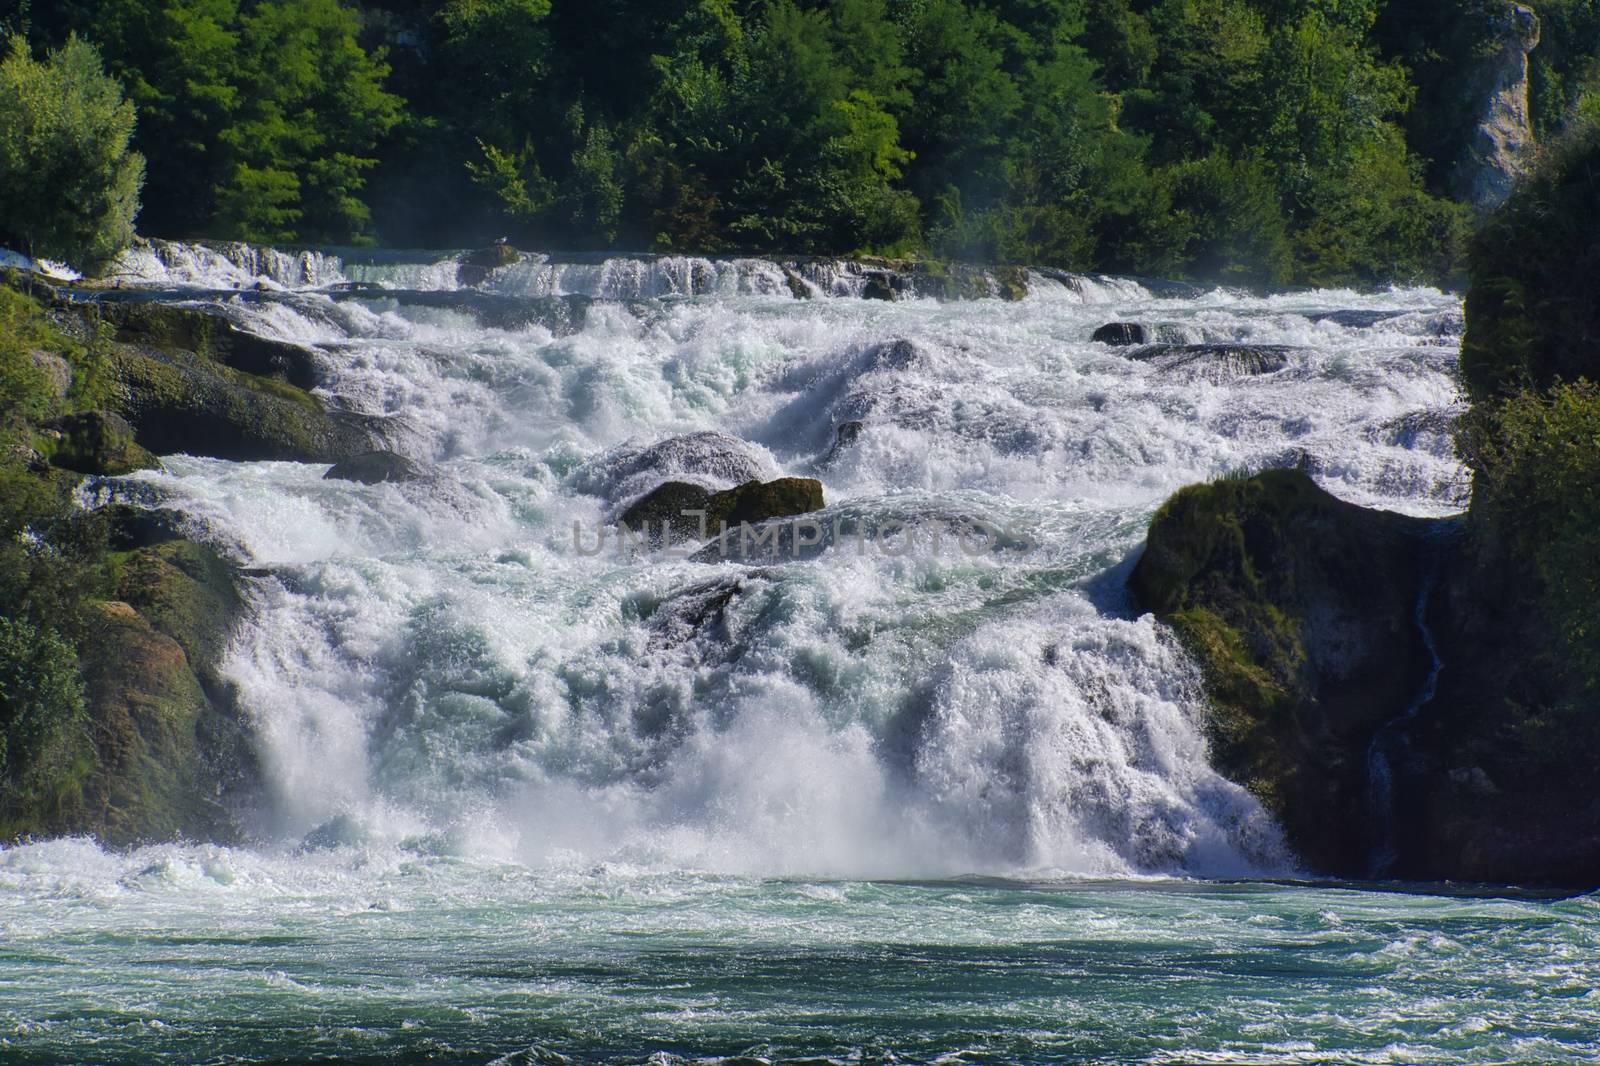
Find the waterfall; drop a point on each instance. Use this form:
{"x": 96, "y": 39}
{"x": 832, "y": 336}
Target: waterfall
{"x": 437, "y": 664}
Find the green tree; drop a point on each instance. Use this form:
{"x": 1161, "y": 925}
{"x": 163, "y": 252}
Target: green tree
{"x": 41, "y": 699}
{"x": 69, "y": 186}
{"x": 260, "y": 118}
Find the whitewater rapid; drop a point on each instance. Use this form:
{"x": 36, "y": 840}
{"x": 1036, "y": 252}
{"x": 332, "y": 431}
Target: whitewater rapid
{"x": 438, "y": 665}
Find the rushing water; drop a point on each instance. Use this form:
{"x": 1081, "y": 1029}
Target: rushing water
{"x": 907, "y": 802}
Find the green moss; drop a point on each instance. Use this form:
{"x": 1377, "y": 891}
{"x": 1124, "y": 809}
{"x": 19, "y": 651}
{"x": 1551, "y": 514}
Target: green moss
{"x": 1298, "y": 608}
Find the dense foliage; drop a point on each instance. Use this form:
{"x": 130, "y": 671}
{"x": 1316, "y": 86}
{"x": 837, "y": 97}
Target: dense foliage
{"x": 1252, "y": 140}
{"x": 1532, "y": 438}
{"x": 1534, "y": 305}
{"x": 52, "y": 556}
{"x": 69, "y": 186}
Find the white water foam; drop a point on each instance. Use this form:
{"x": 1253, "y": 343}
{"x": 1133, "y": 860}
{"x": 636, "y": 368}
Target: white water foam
{"x": 439, "y": 661}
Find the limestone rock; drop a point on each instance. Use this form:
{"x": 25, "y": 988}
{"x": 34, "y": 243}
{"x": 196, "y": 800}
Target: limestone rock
{"x": 1502, "y": 141}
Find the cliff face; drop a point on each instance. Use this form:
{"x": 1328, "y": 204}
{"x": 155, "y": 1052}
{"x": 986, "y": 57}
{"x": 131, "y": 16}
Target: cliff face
{"x": 1499, "y": 145}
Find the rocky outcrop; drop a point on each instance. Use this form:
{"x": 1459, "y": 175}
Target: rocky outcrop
{"x": 167, "y": 752}
{"x": 1301, "y": 611}
{"x": 1501, "y": 142}
{"x": 1307, "y": 617}
{"x": 206, "y": 332}
{"x": 1120, "y": 334}
{"x": 182, "y": 401}
{"x": 189, "y": 380}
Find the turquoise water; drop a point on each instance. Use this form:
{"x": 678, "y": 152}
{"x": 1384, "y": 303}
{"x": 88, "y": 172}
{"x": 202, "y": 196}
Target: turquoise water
{"x": 530, "y": 804}
{"x": 372, "y": 955}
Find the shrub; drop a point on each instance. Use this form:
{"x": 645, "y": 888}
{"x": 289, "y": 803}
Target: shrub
{"x": 1532, "y": 309}
{"x": 69, "y": 186}
{"x": 41, "y": 699}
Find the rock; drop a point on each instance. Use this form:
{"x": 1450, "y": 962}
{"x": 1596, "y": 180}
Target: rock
{"x": 56, "y": 370}
{"x": 844, "y": 438}
{"x": 1120, "y": 334}
{"x": 1501, "y": 144}
{"x": 1301, "y": 611}
{"x": 663, "y": 508}
{"x": 758, "y": 501}
{"x": 709, "y": 458}
{"x": 177, "y": 401}
{"x": 129, "y": 528}
{"x": 1011, "y": 282}
{"x": 168, "y": 752}
{"x": 207, "y": 332}
{"x": 879, "y": 286}
{"x": 797, "y": 285}
{"x": 750, "y": 503}
{"x": 372, "y": 468}
{"x": 95, "y": 442}
{"x": 476, "y": 266}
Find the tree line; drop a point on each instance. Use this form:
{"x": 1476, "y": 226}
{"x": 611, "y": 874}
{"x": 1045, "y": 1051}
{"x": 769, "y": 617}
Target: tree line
{"x": 1252, "y": 141}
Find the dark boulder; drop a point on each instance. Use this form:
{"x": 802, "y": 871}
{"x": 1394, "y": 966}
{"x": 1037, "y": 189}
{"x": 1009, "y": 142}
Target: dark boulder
{"x": 664, "y": 507}
{"x": 847, "y": 436}
{"x": 1121, "y": 334}
{"x": 180, "y": 401}
{"x": 879, "y": 286}
{"x": 757, "y": 501}
{"x": 476, "y": 266}
{"x": 748, "y": 504}
{"x": 372, "y": 468}
{"x": 129, "y": 528}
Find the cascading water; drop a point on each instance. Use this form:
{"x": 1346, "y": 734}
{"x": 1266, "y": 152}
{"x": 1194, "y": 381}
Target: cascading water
{"x": 533, "y": 801}
{"x": 441, "y": 660}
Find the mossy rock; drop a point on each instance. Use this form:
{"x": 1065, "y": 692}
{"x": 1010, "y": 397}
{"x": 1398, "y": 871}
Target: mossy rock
{"x": 210, "y": 334}
{"x": 1301, "y": 611}
{"x": 167, "y": 753}
{"x": 95, "y": 442}
{"x": 759, "y": 501}
{"x": 476, "y": 266}
{"x": 179, "y": 401}
{"x": 663, "y": 507}
{"x": 750, "y": 503}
